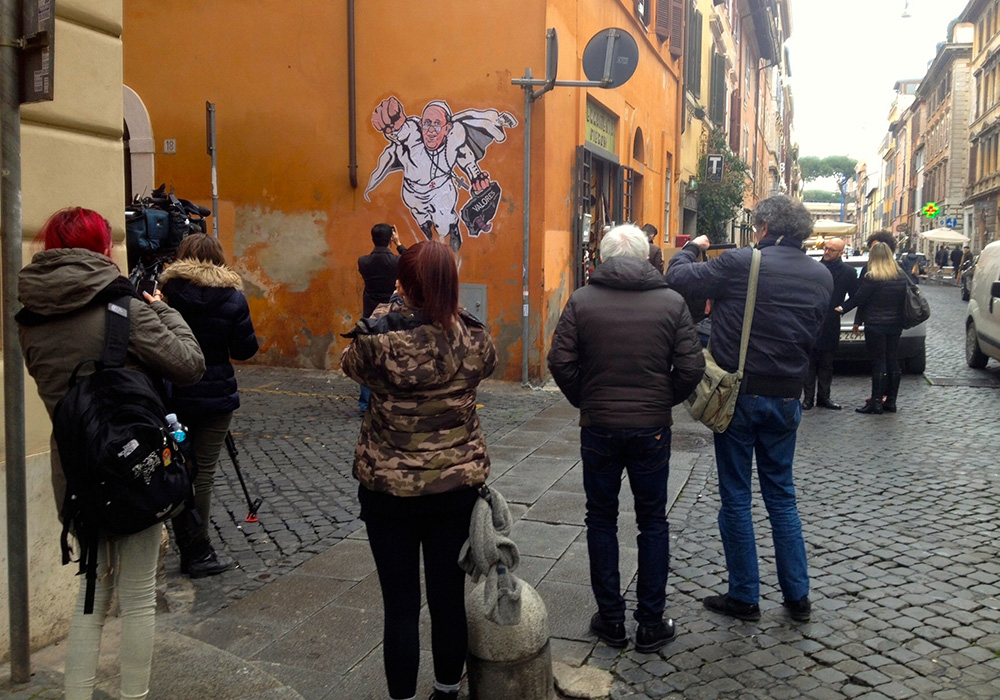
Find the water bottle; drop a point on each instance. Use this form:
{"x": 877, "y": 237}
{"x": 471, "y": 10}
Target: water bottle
{"x": 176, "y": 429}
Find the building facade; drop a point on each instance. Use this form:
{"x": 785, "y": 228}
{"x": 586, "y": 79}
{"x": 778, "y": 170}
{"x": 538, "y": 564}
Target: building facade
{"x": 944, "y": 96}
{"x": 316, "y": 144}
{"x": 983, "y": 196}
{"x": 71, "y": 155}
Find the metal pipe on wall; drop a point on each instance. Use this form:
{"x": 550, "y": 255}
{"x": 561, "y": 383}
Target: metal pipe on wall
{"x": 526, "y": 232}
{"x": 352, "y": 98}
{"x": 13, "y": 368}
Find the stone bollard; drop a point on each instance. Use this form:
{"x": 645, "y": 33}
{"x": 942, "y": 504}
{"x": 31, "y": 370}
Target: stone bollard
{"x": 509, "y": 662}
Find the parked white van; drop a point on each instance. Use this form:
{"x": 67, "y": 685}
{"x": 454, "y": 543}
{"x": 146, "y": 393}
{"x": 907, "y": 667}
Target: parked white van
{"x": 982, "y": 324}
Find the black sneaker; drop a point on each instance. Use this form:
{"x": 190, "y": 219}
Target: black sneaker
{"x": 212, "y": 564}
{"x": 649, "y": 638}
{"x": 799, "y": 610}
{"x": 724, "y": 605}
{"x": 611, "y": 633}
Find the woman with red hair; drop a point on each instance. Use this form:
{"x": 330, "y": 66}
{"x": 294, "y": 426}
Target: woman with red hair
{"x": 421, "y": 458}
{"x": 65, "y": 290}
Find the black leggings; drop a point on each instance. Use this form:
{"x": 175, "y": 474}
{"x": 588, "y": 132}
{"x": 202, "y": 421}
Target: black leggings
{"x": 882, "y": 343}
{"x": 397, "y": 530}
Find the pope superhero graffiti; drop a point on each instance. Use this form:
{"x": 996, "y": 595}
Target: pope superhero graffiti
{"x": 427, "y": 150}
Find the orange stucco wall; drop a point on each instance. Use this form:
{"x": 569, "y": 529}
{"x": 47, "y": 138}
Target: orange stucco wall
{"x": 648, "y": 101}
{"x": 277, "y": 73}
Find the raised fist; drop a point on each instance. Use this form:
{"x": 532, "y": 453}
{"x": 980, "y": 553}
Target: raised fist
{"x": 480, "y": 182}
{"x": 388, "y": 117}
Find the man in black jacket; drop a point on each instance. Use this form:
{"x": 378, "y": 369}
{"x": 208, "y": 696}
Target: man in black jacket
{"x": 793, "y": 297}
{"x": 625, "y": 352}
{"x": 845, "y": 282}
{"x": 378, "y": 270}
{"x": 956, "y": 259}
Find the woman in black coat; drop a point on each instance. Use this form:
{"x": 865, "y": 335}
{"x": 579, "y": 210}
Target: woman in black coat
{"x": 209, "y": 296}
{"x": 879, "y": 301}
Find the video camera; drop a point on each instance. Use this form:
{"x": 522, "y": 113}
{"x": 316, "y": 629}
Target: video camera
{"x": 154, "y": 228}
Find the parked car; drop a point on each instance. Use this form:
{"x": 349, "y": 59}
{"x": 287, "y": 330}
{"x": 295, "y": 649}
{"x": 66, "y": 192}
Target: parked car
{"x": 965, "y": 275}
{"x": 912, "y": 344}
{"x": 982, "y": 322}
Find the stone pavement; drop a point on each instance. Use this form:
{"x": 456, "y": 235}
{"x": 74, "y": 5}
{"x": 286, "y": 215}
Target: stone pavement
{"x": 900, "y": 515}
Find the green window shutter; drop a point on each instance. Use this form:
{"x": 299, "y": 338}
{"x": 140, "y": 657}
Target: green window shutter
{"x": 717, "y": 103}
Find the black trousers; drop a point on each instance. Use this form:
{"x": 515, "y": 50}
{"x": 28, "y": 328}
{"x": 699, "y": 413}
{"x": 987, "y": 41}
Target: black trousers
{"x": 882, "y": 343}
{"x": 820, "y": 376}
{"x": 398, "y": 529}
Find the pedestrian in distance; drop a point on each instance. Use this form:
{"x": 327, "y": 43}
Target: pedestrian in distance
{"x": 956, "y": 259}
{"x": 966, "y": 258}
{"x": 941, "y": 257}
{"x": 421, "y": 459}
{"x": 793, "y": 297}
{"x": 879, "y": 304}
{"x": 655, "y": 253}
{"x": 208, "y": 294}
{"x": 625, "y": 352}
{"x": 910, "y": 264}
{"x": 65, "y": 290}
{"x": 845, "y": 283}
{"x": 378, "y": 270}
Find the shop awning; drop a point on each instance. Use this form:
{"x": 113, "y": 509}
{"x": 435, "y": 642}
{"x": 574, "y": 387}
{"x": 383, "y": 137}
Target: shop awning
{"x": 944, "y": 235}
{"x": 827, "y": 227}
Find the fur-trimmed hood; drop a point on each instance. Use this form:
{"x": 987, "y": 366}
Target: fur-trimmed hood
{"x": 204, "y": 274}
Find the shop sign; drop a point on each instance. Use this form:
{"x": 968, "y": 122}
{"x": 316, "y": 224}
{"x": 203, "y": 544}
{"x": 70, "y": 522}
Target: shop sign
{"x": 602, "y": 126}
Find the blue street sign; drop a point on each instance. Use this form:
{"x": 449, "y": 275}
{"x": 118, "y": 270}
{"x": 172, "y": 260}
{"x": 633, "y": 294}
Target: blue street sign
{"x": 951, "y": 222}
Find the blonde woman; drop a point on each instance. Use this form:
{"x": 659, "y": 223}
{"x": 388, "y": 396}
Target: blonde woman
{"x": 880, "y": 309}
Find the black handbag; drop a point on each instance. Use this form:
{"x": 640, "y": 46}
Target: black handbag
{"x": 916, "y": 310}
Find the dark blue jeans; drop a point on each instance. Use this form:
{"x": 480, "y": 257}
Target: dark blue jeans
{"x": 645, "y": 454}
{"x": 764, "y": 426}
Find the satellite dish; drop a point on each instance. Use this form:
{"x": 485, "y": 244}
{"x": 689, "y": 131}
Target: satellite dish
{"x": 611, "y": 57}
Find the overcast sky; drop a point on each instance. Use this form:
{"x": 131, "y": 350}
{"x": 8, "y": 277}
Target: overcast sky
{"x": 845, "y": 58}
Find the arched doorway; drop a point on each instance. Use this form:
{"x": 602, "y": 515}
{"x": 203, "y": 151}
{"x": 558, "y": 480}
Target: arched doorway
{"x": 140, "y": 147}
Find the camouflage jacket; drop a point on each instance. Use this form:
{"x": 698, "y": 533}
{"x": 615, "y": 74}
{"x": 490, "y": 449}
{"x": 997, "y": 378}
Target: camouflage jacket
{"x": 421, "y": 434}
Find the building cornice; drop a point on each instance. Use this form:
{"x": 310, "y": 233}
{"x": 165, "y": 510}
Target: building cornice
{"x": 948, "y": 54}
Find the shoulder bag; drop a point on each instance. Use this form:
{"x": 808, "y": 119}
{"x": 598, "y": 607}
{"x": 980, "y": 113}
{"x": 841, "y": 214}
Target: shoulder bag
{"x": 714, "y": 399}
{"x": 916, "y": 310}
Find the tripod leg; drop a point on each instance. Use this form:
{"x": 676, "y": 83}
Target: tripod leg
{"x": 233, "y": 455}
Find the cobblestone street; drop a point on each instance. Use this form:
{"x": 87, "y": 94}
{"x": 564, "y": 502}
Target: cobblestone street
{"x": 900, "y": 517}
{"x": 899, "y": 512}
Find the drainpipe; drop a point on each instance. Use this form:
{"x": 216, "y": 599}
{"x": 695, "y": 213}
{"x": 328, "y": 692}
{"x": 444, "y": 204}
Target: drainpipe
{"x": 352, "y": 98}
{"x": 13, "y": 368}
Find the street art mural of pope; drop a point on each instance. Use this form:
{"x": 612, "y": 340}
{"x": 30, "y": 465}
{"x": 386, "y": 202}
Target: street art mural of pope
{"x": 438, "y": 153}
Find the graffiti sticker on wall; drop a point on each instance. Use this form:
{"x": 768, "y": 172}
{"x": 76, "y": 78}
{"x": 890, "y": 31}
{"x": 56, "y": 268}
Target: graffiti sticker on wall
{"x": 438, "y": 153}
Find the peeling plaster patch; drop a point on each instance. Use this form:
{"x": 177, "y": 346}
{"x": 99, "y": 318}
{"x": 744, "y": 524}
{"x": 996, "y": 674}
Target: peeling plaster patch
{"x": 292, "y": 247}
{"x": 250, "y": 287}
{"x": 314, "y": 349}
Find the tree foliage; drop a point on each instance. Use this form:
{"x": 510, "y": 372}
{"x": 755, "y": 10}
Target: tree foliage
{"x": 719, "y": 202}
{"x": 825, "y": 196}
{"x": 840, "y": 168}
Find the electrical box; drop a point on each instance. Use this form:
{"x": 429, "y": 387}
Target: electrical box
{"x": 472, "y": 298}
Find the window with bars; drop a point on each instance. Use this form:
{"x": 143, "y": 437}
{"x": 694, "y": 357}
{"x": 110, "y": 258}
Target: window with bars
{"x": 629, "y": 177}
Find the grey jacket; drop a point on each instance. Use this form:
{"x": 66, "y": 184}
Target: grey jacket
{"x": 61, "y": 283}
{"x": 625, "y": 350}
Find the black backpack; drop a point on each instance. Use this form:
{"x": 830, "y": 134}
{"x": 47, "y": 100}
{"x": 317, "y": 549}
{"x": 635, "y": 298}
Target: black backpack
{"x": 124, "y": 470}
